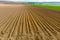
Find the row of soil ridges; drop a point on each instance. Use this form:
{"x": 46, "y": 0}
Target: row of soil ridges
{"x": 24, "y": 22}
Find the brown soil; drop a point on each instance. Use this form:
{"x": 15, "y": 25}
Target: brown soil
{"x": 23, "y": 22}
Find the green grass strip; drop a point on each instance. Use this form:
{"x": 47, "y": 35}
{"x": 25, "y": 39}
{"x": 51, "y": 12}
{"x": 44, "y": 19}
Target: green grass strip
{"x": 57, "y": 8}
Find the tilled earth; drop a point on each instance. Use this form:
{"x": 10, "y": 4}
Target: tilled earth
{"x": 23, "y": 22}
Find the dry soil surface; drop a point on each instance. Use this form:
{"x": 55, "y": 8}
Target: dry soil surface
{"x": 23, "y": 22}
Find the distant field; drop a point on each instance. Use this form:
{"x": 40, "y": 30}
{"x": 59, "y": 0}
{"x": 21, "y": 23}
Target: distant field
{"x": 57, "y": 8}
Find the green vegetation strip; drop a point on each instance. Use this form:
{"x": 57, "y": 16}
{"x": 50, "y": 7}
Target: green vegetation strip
{"x": 57, "y": 8}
